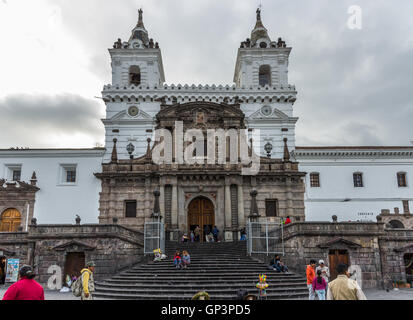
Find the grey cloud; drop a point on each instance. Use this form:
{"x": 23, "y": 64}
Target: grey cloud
{"x": 354, "y": 85}
{"x": 35, "y": 120}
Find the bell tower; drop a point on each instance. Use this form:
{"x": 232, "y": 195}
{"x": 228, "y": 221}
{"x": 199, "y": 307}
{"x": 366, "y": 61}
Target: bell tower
{"x": 130, "y": 111}
{"x": 137, "y": 61}
{"x": 262, "y": 62}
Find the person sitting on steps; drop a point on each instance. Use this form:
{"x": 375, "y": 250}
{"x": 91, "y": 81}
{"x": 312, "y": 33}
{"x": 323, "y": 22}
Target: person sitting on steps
{"x": 178, "y": 260}
{"x": 278, "y": 265}
{"x": 186, "y": 259}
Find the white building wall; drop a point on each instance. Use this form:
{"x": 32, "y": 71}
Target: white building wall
{"x": 56, "y": 202}
{"x": 338, "y": 196}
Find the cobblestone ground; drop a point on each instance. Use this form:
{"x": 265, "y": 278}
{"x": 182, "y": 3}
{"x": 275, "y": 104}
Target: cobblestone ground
{"x": 404, "y": 294}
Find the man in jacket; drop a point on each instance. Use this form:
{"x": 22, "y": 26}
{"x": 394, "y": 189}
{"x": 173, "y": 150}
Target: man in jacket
{"x": 88, "y": 283}
{"x": 26, "y": 288}
{"x": 325, "y": 271}
{"x": 310, "y": 278}
{"x": 344, "y": 288}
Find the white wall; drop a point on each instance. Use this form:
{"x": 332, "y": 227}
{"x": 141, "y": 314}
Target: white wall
{"x": 338, "y": 196}
{"x": 56, "y": 203}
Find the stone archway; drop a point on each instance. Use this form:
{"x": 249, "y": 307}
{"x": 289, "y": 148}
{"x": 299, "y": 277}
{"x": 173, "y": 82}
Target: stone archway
{"x": 201, "y": 212}
{"x": 11, "y": 220}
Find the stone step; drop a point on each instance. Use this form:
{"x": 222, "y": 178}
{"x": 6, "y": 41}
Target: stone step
{"x": 218, "y": 297}
{"x": 200, "y": 279}
{"x": 221, "y": 269}
{"x": 211, "y": 291}
{"x": 196, "y": 285}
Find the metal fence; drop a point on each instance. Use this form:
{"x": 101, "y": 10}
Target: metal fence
{"x": 154, "y": 237}
{"x": 265, "y": 237}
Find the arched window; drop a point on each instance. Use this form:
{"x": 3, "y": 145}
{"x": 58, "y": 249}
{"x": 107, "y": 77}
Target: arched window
{"x": 265, "y": 75}
{"x": 396, "y": 224}
{"x": 134, "y": 75}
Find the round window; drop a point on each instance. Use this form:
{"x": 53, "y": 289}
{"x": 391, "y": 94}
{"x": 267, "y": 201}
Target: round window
{"x": 263, "y": 45}
{"x": 266, "y": 111}
{"x": 133, "y": 111}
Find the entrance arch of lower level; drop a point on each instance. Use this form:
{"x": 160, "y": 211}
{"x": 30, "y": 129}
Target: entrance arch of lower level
{"x": 201, "y": 212}
{"x": 10, "y": 220}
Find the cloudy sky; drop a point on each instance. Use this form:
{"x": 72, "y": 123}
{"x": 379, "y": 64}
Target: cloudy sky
{"x": 354, "y": 86}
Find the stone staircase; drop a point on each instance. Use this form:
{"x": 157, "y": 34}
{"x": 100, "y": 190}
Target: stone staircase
{"x": 221, "y": 269}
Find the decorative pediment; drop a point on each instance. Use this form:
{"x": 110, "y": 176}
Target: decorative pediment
{"x": 17, "y": 186}
{"x": 202, "y": 114}
{"x": 339, "y": 243}
{"x": 74, "y": 246}
{"x": 275, "y": 114}
{"x": 124, "y": 116}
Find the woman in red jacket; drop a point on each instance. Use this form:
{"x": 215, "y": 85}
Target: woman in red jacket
{"x": 26, "y": 288}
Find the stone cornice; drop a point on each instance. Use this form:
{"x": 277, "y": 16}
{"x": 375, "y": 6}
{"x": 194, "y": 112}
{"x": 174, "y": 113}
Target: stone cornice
{"x": 199, "y": 93}
{"x": 352, "y": 152}
{"x": 51, "y": 153}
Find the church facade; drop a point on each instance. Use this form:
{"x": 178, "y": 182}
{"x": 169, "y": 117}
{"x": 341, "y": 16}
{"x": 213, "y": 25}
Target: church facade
{"x": 213, "y": 156}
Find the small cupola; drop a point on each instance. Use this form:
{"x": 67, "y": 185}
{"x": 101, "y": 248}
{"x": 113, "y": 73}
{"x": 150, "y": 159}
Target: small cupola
{"x": 259, "y": 36}
{"x": 139, "y": 37}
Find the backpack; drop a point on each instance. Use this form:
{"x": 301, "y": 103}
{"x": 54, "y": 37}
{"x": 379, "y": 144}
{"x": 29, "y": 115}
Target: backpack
{"x": 77, "y": 286}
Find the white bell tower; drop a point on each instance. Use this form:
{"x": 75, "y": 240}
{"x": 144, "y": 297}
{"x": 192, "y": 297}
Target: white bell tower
{"x": 260, "y": 61}
{"x": 130, "y": 112}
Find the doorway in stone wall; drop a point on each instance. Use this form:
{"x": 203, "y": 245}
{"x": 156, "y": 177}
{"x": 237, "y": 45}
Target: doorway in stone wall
{"x": 201, "y": 213}
{"x": 75, "y": 262}
{"x": 337, "y": 257}
{"x": 408, "y": 263}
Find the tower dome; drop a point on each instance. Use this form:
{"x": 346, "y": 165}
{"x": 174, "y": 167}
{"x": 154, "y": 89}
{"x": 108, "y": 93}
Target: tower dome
{"x": 139, "y": 37}
{"x": 259, "y": 36}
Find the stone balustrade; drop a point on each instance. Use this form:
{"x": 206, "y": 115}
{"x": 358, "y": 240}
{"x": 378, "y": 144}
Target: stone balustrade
{"x": 85, "y": 231}
{"x": 197, "y": 88}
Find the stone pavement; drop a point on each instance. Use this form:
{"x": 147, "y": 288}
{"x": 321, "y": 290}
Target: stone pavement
{"x": 372, "y": 294}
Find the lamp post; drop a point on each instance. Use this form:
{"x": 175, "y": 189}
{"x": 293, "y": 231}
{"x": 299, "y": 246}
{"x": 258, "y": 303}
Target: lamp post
{"x": 131, "y": 149}
{"x": 268, "y": 148}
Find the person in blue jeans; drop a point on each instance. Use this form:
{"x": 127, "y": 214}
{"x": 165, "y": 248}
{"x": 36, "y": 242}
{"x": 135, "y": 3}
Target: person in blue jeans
{"x": 278, "y": 265}
{"x": 215, "y": 232}
{"x": 320, "y": 286}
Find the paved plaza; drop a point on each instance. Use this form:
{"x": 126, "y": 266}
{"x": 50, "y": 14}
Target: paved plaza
{"x": 372, "y": 294}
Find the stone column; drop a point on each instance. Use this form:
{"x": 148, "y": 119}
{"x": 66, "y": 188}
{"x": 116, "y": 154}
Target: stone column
{"x": 228, "y": 218}
{"x": 241, "y": 212}
{"x": 147, "y": 198}
{"x": 162, "y": 200}
{"x": 174, "y": 211}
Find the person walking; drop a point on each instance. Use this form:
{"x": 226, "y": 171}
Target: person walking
{"x": 197, "y": 233}
{"x": 320, "y": 285}
{"x": 88, "y": 283}
{"x": 207, "y": 231}
{"x": 26, "y": 288}
{"x": 344, "y": 288}
{"x": 310, "y": 279}
{"x": 215, "y": 232}
{"x": 325, "y": 271}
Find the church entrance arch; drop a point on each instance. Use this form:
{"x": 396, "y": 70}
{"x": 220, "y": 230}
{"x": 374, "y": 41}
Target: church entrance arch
{"x": 201, "y": 212}
{"x": 11, "y": 220}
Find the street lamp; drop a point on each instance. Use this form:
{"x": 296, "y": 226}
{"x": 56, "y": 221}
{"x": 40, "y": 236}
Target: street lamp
{"x": 268, "y": 148}
{"x": 131, "y": 149}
